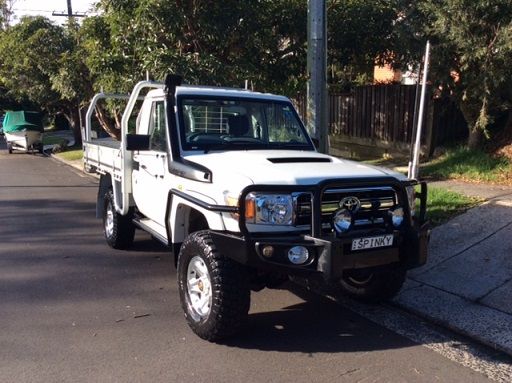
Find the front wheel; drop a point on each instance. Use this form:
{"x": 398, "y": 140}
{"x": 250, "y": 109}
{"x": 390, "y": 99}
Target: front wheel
{"x": 373, "y": 286}
{"x": 118, "y": 229}
{"x": 214, "y": 292}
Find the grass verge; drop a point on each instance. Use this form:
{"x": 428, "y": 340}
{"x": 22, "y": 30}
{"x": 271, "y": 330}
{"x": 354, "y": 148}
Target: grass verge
{"x": 442, "y": 205}
{"x": 49, "y": 140}
{"x": 72, "y": 154}
{"x": 470, "y": 165}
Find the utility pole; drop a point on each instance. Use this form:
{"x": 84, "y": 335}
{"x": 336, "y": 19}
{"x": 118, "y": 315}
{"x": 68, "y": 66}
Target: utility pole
{"x": 317, "y": 73}
{"x": 70, "y": 13}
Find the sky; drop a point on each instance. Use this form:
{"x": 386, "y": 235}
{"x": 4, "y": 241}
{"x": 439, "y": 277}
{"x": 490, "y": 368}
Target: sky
{"x": 45, "y": 8}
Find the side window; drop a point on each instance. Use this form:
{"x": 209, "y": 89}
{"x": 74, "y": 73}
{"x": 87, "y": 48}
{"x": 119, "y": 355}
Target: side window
{"x": 158, "y": 139}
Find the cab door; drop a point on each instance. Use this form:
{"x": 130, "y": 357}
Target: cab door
{"x": 150, "y": 189}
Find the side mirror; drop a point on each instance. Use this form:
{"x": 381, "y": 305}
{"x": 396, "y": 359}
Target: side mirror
{"x": 137, "y": 141}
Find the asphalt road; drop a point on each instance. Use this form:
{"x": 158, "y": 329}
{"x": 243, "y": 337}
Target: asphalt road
{"x": 74, "y": 310}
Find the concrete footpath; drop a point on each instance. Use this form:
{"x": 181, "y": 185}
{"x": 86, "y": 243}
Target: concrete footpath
{"x": 466, "y": 284}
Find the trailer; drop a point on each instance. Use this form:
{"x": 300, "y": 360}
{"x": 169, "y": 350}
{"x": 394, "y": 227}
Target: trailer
{"x": 23, "y": 131}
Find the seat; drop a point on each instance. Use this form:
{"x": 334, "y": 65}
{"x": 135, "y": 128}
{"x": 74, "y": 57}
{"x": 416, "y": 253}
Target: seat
{"x": 238, "y": 125}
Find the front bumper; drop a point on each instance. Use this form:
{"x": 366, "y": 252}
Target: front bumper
{"x": 329, "y": 257}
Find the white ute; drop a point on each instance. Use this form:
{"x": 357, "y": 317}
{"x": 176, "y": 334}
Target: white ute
{"x": 232, "y": 183}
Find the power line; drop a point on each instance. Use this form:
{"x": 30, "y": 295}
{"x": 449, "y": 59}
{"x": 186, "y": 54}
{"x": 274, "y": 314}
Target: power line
{"x": 76, "y": 14}
{"x": 30, "y": 10}
{"x": 62, "y": 13}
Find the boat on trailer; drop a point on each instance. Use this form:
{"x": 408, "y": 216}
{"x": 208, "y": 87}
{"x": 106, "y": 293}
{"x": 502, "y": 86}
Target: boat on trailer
{"x": 23, "y": 130}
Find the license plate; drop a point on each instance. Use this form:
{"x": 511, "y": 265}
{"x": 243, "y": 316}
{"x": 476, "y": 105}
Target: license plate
{"x": 372, "y": 242}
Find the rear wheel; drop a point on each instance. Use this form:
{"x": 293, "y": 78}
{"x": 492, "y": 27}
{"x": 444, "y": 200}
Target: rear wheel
{"x": 118, "y": 229}
{"x": 214, "y": 291}
{"x": 373, "y": 286}
{"x": 9, "y": 148}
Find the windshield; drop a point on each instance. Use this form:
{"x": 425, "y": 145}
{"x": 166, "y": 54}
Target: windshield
{"x": 234, "y": 124}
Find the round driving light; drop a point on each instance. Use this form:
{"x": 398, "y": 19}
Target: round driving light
{"x": 342, "y": 221}
{"x": 268, "y": 251}
{"x": 298, "y": 255}
{"x": 397, "y": 216}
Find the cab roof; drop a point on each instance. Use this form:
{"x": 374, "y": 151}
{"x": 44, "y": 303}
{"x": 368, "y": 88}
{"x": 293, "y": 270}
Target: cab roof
{"x": 190, "y": 90}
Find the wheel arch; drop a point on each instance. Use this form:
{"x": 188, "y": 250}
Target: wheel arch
{"x": 185, "y": 218}
{"x": 106, "y": 184}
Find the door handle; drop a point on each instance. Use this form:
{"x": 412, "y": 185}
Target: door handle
{"x": 144, "y": 167}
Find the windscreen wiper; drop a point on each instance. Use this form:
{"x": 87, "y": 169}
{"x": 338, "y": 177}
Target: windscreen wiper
{"x": 249, "y": 144}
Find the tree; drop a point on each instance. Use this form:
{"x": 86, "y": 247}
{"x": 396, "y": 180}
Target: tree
{"x": 72, "y": 80}
{"x": 360, "y": 33}
{"x": 215, "y": 43}
{"x": 6, "y": 13}
{"x": 472, "y": 55}
{"x": 40, "y": 64}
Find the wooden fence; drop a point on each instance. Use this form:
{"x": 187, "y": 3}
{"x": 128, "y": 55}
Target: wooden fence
{"x": 384, "y": 114}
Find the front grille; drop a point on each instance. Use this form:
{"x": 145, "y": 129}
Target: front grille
{"x": 375, "y": 204}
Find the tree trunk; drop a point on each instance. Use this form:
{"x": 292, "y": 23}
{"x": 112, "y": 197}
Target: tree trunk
{"x": 471, "y": 112}
{"x": 475, "y": 138}
{"x": 108, "y": 124}
{"x": 73, "y": 118}
{"x": 117, "y": 119}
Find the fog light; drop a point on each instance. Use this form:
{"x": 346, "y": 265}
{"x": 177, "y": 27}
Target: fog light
{"x": 397, "y": 216}
{"x": 342, "y": 221}
{"x": 268, "y": 251}
{"x": 298, "y": 255}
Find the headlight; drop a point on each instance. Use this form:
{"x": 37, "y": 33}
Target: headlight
{"x": 411, "y": 197}
{"x": 269, "y": 209}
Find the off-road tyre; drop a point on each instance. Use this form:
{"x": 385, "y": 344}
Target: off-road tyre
{"x": 228, "y": 293}
{"x": 374, "y": 286}
{"x": 118, "y": 229}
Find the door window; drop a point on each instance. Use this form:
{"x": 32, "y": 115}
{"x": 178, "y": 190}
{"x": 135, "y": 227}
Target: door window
{"x": 158, "y": 139}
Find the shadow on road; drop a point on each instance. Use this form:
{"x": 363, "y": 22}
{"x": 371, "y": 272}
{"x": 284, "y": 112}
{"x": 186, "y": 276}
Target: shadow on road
{"x": 317, "y": 325}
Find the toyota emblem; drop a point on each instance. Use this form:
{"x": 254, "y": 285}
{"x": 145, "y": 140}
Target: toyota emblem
{"x": 352, "y": 204}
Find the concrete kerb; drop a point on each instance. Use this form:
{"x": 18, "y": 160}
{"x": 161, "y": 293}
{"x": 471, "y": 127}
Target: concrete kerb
{"x": 77, "y": 164}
